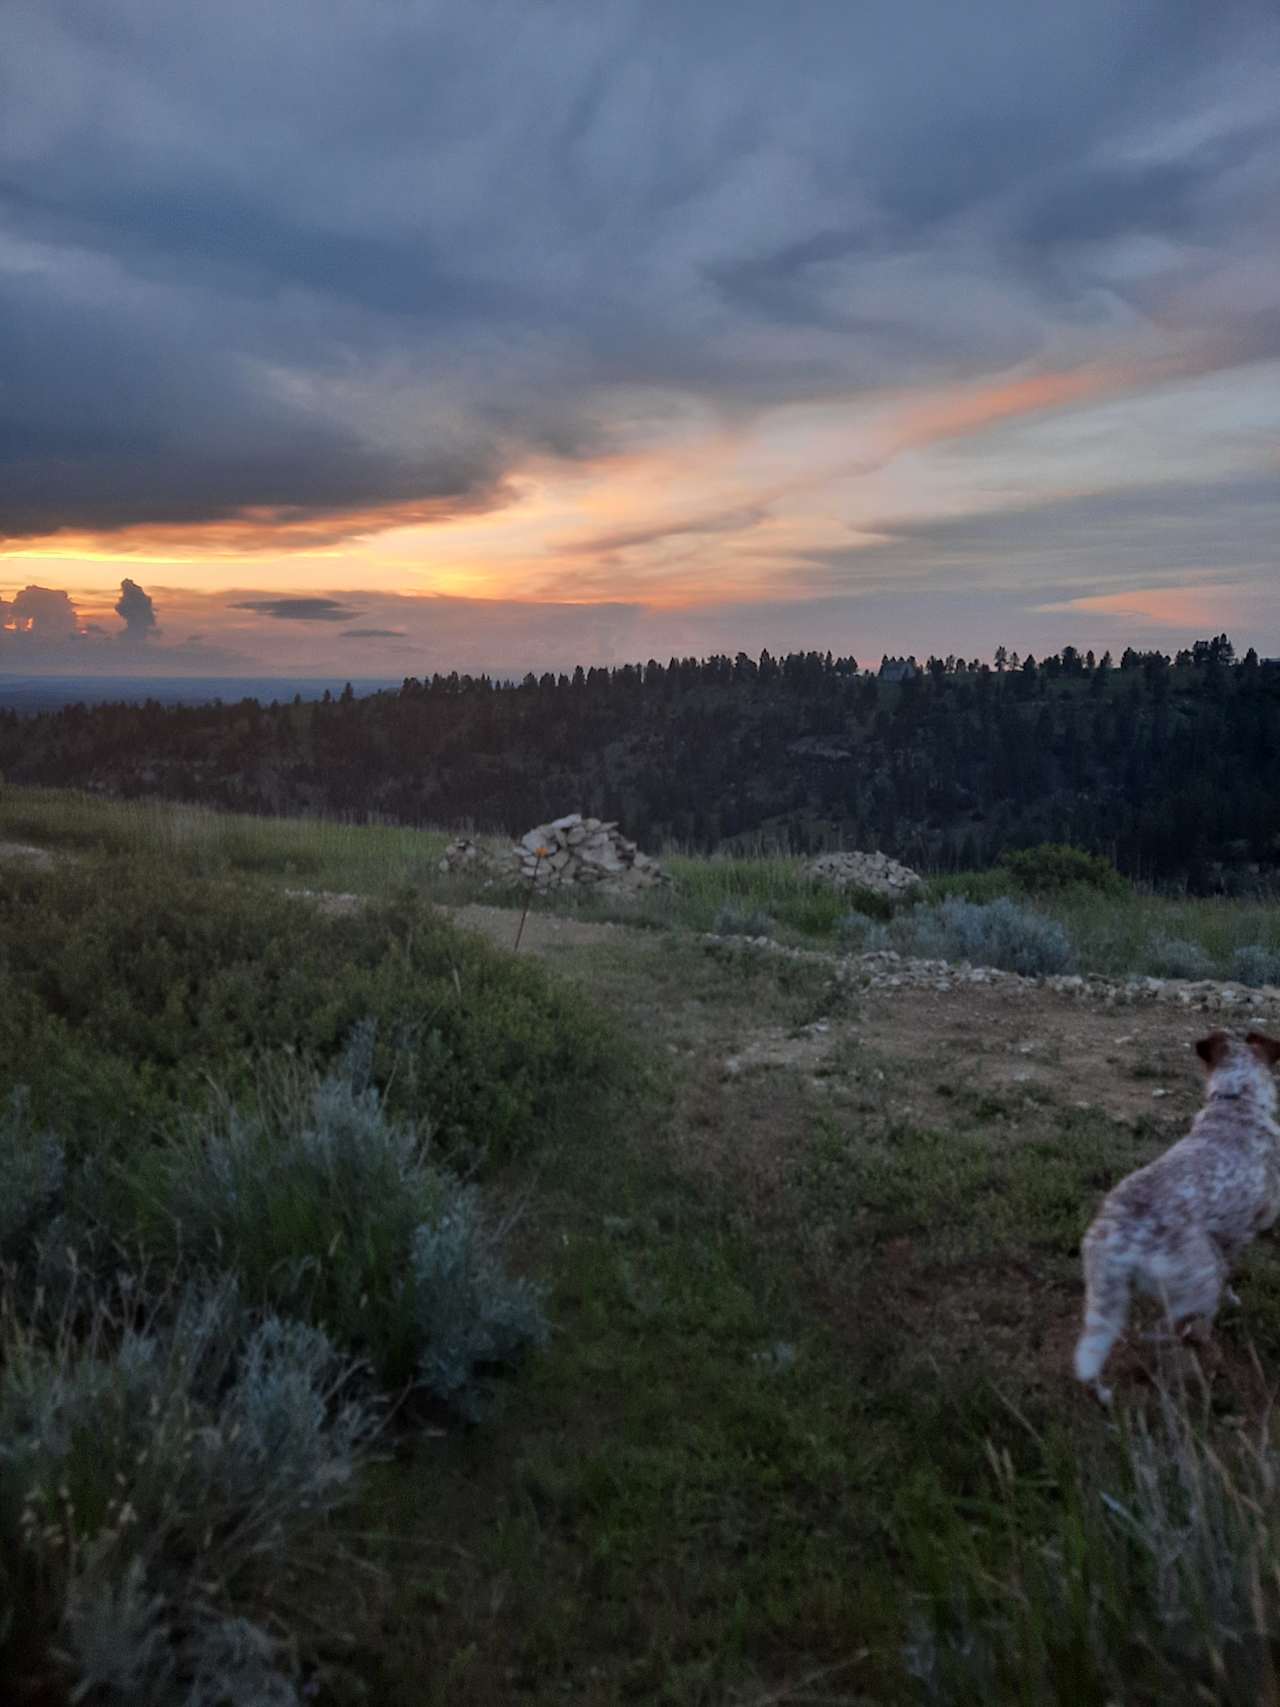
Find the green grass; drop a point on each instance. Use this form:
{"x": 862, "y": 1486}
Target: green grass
{"x": 1114, "y": 934}
{"x": 366, "y": 859}
{"x": 819, "y": 1434}
{"x": 1119, "y": 936}
{"x": 671, "y": 1508}
{"x": 129, "y": 989}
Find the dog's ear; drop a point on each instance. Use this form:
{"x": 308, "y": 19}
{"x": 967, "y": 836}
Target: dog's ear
{"x": 1265, "y": 1047}
{"x": 1211, "y": 1049}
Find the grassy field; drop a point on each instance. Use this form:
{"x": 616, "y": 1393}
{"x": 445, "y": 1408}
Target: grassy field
{"x": 801, "y": 1429}
{"x": 1130, "y": 931}
{"x": 318, "y": 853}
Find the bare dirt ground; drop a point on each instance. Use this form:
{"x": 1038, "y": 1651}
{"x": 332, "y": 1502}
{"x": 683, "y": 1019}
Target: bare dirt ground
{"x": 1037, "y": 1045}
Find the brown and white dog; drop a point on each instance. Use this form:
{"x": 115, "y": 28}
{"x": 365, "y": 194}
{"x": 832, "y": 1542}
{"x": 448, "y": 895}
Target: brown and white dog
{"x": 1175, "y": 1228}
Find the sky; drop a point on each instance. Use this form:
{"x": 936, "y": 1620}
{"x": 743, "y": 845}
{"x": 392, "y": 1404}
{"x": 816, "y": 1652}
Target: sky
{"x": 384, "y": 336}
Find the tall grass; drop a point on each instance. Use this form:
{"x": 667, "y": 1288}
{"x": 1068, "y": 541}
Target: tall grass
{"x": 201, "y": 842}
{"x": 1146, "y": 1573}
{"x": 1130, "y": 934}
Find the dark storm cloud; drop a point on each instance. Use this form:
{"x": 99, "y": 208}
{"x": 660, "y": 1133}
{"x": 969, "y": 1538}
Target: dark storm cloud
{"x": 299, "y": 610}
{"x": 375, "y": 633}
{"x": 136, "y": 610}
{"x": 45, "y": 614}
{"x": 311, "y": 261}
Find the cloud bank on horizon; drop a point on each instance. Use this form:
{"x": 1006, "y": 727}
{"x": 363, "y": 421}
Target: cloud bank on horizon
{"x": 522, "y": 329}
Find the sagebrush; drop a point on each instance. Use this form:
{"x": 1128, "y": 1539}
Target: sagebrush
{"x": 1000, "y": 933}
{"x": 327, "y": 1208}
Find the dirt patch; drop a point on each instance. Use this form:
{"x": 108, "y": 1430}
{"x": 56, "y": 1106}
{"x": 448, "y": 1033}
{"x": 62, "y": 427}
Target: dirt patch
{"x": 1035, "y": 1045}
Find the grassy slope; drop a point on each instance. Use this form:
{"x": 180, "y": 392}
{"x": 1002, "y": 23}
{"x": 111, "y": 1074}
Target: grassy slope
{"x": 1111, "y": 934}
{"x": 799, "y": 1317}
{"x": 797, "y": 1308}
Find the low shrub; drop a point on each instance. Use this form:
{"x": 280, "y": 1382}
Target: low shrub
{"x": 859, "y": 934}
{"x": 987, "y": 885}
{"x": 1054, "y": 866}
{"x": 872, "y": 904}
{"x": 997, "y": 933}
{"x": 735, "y": 920}
{"x": 468, "y": 1313}
{"x": 116, "y": 1016}
{"x": 1256, "y": 965}
{"x": 329, "y": 1210}
{"x": 1174, "y": 957}
{"x": 157, "y": 1480}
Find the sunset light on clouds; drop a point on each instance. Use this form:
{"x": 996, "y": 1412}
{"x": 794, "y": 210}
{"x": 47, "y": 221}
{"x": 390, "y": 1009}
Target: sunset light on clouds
{"x": 422, "y": 337}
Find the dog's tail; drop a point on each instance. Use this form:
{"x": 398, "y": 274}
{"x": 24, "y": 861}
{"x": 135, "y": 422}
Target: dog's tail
{"x": 1108, "y": 1281}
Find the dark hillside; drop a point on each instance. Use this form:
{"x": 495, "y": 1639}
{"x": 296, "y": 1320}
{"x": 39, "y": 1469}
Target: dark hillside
{"x": 1167, "y": 765}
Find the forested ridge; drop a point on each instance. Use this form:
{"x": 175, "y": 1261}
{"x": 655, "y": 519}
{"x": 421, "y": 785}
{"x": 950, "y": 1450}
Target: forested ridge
{"x": 1166, "y": 764}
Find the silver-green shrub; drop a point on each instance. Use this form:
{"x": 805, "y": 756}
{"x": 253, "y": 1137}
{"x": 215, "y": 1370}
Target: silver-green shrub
{"x": 1173, "y": 957}
{"x": 471, "y": 1315}
{"x": 166, "y": 1476}
{"x": 860, "y": 934}
{"x": 734, "y": 920}
{"x": 1000, "y": 933}
{"x": 32, "y": 1168}
{"x": 329, "y": 1211}
{"x": 1256, "y": 965}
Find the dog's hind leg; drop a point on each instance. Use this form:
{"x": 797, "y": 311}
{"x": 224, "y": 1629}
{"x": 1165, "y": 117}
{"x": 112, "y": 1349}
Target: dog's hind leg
{"x": 1194, "y": 1286}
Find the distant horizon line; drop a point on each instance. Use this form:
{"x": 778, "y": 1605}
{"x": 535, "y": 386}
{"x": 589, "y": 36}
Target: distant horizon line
{"x": 12, "y": 678}
{"x": 95, "y": 682}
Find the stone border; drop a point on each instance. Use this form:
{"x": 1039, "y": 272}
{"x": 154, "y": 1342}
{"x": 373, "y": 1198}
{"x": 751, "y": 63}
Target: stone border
{"x": 885, "y": 969}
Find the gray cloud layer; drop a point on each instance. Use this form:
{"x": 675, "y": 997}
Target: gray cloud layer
{"x": 299, "y": 610}
{"x": 309, "y": 260}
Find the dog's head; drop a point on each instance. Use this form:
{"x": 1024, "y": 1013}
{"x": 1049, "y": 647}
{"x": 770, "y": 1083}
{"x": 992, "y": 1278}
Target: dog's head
{"x": 1237, "y": 1064}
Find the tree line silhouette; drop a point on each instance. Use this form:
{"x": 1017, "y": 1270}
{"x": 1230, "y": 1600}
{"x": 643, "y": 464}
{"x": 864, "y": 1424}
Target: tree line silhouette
{"x": 1167, "y": 764}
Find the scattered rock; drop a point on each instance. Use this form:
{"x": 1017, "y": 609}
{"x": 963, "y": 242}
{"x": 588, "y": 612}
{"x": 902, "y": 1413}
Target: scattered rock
{"x": 886, "y": 969}
{"x": 873, "y": 871}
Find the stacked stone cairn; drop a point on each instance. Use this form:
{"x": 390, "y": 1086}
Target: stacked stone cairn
{"x": 873, "y": 871}
{"x": 571, "y": 851}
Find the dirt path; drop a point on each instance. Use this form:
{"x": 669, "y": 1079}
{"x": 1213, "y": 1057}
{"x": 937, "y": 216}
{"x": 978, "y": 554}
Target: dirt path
{"x": 545, "y": 933}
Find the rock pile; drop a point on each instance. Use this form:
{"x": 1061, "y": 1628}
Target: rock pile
{"x": 874, "y": 871}
{"x": 465, "y": 858}
{"x": 570, "y": 851}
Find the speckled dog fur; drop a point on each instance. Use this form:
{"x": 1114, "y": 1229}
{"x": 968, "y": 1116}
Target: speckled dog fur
{"x": 1175, "y": 1228}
